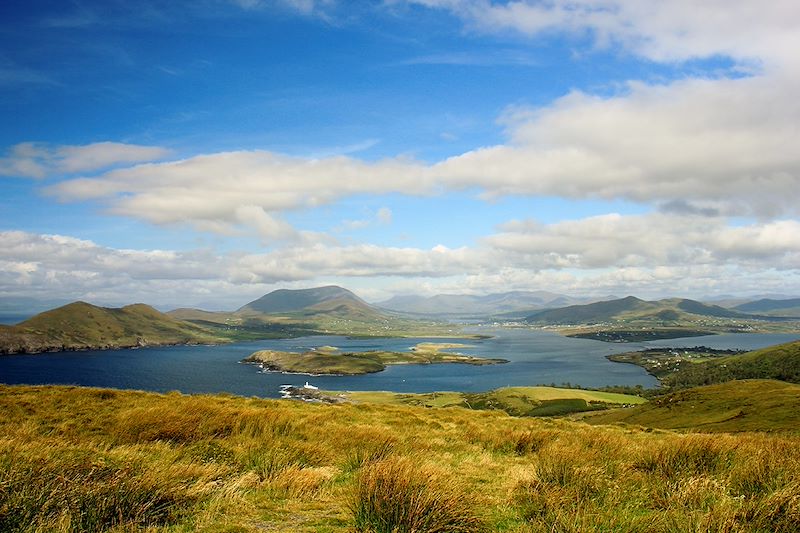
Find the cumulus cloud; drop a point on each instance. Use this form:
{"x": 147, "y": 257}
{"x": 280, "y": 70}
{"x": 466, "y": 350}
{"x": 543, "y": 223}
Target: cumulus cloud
{"x": 673, "y": 30}
{"x": 643, "y": 254}
{"x": 732, "y": 146}
{"x": 730, "y": 143}
{"x": 649, "y": 241}
{"x": 37, "y": 160}
{"x": 223, "y": 190}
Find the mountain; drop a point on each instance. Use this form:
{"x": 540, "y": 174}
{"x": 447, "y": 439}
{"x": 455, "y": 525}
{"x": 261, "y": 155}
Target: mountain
{"x": 768, "y": 306}
{"x": 329, "y": 300}
{"x": 82, "y": 326}
{"x": 632, "y": 308}
{"x": 471, "y": 305}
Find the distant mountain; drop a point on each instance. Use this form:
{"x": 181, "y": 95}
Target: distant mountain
{"x": 329, "y": 300}
{"x": 82, "y": 326}
{"x": 471, "y": 305}
{"x": 768, "y": 306}
{"x": 669, "y": 310}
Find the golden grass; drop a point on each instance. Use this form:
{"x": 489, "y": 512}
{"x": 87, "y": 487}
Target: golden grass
{"x": 74, "y": 459}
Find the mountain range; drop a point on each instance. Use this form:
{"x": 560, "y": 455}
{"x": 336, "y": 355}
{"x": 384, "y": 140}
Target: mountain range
{"x": 630, "y": 307}
{"x": 510, "y": 304}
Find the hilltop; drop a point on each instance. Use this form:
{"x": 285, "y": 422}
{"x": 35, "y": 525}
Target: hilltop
{"x": 318, "y": 300}
{"x": 767, "y": 306}
{"x": 82, "y": 326}
{"x": 467, "y": 305}
{"x": 315, "y": 311}
{"x": 632, "y": 319}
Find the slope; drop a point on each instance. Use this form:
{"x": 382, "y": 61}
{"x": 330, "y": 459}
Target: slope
{"x": 774, "y": 362}
{"x": 80, "y": 326}
{"x": 750, "y": 405}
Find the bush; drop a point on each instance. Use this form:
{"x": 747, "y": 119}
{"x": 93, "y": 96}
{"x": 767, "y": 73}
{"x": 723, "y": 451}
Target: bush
{"x": 393, "y": 496}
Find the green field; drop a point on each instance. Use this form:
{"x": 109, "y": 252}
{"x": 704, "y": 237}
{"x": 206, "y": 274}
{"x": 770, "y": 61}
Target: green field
{"x": 734, "y": 406}
{"x": 516, "y": 401}
{"x": 77, "y": 460}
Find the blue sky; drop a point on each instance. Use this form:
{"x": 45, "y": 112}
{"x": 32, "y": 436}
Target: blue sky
{"x": 206, "y": 152}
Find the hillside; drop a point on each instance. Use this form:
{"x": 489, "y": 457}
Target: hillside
{"x": 80, "y": 326}
{"x": 632, "y": 308}
{"x": 631, "y": 319}
{"x": 75, "y": 460}
{"x": 780, "y": 362}
{"x": 751, "y": 405}
{"x": 317, "y": 311}
{"x": 318, "y": 300}
{"x": 767, "y": 306}
{"x": 467, "y": 305}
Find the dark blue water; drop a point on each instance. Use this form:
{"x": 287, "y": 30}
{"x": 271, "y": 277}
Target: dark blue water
{"x": 537, "y": 357}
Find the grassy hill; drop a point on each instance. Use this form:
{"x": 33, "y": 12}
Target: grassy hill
{"x": 631, "y": 308}
{"x": 780, "y": 362}
{"x": 75, "y": 460}
{"x": 319, "y": 299}
{"x": 80, "y": 325}
{"x": 315, "y": 311}
{"x": 516, "y": 401}
{"x": 767, "y": 306}
{"x": 631, "y": 319}
{"x": 751, "y": 405}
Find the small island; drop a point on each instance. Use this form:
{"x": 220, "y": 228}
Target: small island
{"x": 329, "y": 360}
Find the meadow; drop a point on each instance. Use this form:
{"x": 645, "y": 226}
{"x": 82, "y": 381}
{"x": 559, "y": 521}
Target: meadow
{"x": 78, "y": 459}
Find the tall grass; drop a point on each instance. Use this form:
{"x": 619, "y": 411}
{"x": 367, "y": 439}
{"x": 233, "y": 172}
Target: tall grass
{"x": 395, "y": 496}
{"x": 75, "y": 459}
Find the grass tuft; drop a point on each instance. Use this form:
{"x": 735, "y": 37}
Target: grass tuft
{"x": 395, "y": 496}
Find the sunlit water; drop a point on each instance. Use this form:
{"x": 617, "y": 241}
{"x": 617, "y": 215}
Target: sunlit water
{"x": 536, "y": 357}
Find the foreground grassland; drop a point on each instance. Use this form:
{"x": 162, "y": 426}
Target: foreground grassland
{"x": 329, "y": 360}
{"x": 74, "y": 459}
{"x": 516, "y": 401}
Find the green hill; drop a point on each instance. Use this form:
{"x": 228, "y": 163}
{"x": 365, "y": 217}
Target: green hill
{"x": 319, "y": 300}
{"x": 780, "y": 362}
{"x": 750, "y": 405}
{"x": 81, "y": 326}
{"x": 315, "y": 311}
{"x": 767, "y": 306}
{"x": 630, "y": 309}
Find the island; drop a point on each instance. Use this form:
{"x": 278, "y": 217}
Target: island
{"x": 330, "y": 360}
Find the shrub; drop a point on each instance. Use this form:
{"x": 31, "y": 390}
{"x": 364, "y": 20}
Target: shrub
{"x": 394, "y": 496}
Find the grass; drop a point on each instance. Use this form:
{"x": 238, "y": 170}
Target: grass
{"x": 328, "y": 360}
{"x": 735, "y": 406}
{"x": 78, "y": 459}
{"x": 517, "y": 401}
{"x": 781, "y": 362}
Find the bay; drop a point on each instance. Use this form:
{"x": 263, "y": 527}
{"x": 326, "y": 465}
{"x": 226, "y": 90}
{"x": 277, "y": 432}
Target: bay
{"x": 536, "y": 357}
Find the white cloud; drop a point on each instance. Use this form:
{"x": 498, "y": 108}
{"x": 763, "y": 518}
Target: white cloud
{"x": 671, "y": 30}
{"x": 221, "y": 191}
{"x": 732, "y": 144}
{"x": 35, "y": 160}
{"x": 648, "y": 255}
{"x": 648, "y": 242}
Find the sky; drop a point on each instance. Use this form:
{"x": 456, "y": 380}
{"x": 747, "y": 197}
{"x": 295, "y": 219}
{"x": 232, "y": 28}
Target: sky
{"x": 202, "y": 153}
